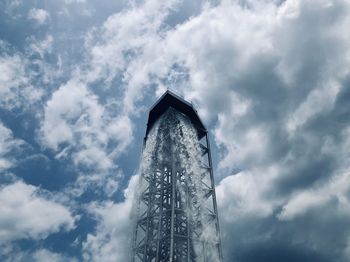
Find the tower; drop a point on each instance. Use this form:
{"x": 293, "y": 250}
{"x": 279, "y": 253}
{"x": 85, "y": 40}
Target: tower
{"x": 177, "y": 218}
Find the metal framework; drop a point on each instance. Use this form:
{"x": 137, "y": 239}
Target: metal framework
{"x": 177, "y": 216}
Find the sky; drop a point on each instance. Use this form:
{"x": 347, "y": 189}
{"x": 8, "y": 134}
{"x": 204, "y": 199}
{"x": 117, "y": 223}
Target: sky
{"x": 269, "y": 78}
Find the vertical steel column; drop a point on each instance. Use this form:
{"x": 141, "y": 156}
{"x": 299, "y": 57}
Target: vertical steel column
{"x": 214, "y": 195}
{"x": 173, "y": 194}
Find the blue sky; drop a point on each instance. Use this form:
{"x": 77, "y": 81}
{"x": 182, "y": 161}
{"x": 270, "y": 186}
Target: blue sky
{"x": 269, "y": 78}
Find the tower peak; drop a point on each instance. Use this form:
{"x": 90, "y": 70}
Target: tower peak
{"x": 170, "y": 99}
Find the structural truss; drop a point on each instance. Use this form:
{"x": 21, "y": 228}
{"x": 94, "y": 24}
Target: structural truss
{"x": 177, "y": 218}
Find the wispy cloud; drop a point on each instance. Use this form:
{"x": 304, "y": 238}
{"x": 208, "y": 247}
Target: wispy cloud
{"x": 39, "y": 15}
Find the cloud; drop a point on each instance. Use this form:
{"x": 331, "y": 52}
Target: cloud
{"x": 43, "y": 255}
{"x": 15, "y": 86}
{"x": 271, "y": 81}
{"x": 39, "y": 15}
{"x": 27, "y": 214}
{"x": 316, "y": 198}
{"x": 8, "y": 144}
{"x": 332, "y": 191}
{"x": 282, "y": 138}
{"x": 112, "y": 240}
{"x": 122, "y": 44}
{"x": 42, "y": 47}
{"x": 16, "y": 89}
{"x": 77, "y": 126}
{"x": 270, "y": 77}
{"x": 14, "y": 254}
{"x": 242, "y": 195}
{"x": 68, "y": 104}
{"x": 74, "y": 1}
{"x": 319, "y": 100}
{"x": 75, "y": 116}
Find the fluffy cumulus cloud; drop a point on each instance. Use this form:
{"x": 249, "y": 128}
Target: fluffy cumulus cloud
{"x": 285, "y": 86}
{"x": 123, "y": 44}
{"x": 78, "y": 128}
{"x": 26, "y": 214}
{"x": 74, "y": 116}
{"x": 269, "y": 78}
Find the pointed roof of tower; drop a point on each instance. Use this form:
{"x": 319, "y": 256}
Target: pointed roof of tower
{"x": 169, "y": 99}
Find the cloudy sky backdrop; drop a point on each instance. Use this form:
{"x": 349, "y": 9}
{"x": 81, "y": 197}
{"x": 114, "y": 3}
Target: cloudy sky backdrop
{"x": 270, "y": 78}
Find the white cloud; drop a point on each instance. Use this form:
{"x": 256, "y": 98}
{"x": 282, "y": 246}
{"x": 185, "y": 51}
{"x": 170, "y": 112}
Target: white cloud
{"x": 39, "y": 15}
{"x": 43, "y": 46}
{"x": 249, "y": 149}
{"x": 27, "y": 214}
{"x": 113, "y": 238}
{"x": 251, "y": 67}
{"x": 7, "y": 144}
{"x": 68, "y": 104}
{"x": 260, "y": 72}
{"x": 13, "y": 253}
{"x": 74, "y": 1}
{"x": 25, "y": 72}
{"x": 77, "y": 126}
{"x": 335, "y": 188}
{"x": 44, "y": 255}
{"x": 252, "y": 70}
{"x": 15, "y": 84}
{"x": 13, "y": 72}
{"x": 124, "y": 46}
{"x": 319, "y": 100}
{"x": 222, "y": 62}
{"x": 245, "y": 195}
{"x": 75, "y": 116}
{"x": 315, "y": 198}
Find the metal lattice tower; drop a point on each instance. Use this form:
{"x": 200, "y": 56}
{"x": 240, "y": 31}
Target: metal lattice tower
{"x": 177, "y": 217}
